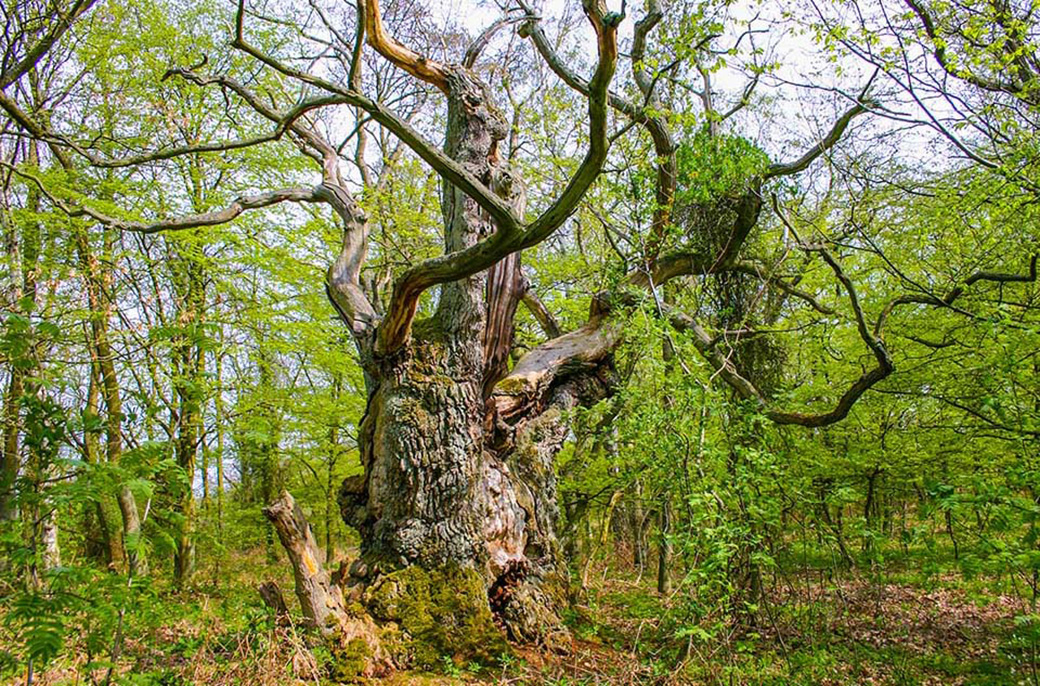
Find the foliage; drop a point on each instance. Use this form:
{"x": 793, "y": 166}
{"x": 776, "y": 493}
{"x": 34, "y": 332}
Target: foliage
{"x": 199, "y": 372}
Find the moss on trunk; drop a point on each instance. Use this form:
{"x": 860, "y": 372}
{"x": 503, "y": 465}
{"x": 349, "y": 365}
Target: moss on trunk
{"x": 430, "y": 614}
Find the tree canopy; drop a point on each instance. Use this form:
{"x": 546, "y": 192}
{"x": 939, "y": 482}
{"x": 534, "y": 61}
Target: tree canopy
{"x": 459, "y": 318}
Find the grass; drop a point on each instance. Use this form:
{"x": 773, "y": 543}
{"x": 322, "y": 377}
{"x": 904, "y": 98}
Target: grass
{"x": 815, "y": 627}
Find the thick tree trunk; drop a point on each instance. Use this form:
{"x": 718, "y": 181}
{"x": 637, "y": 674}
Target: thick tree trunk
{"x": 457, "y": 505}
{"x": 445, "y": 488}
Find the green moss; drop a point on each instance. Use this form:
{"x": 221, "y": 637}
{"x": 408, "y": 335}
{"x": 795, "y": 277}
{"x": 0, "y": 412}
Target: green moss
{"x": 512, "y": 385}
{"x": 355, "y": 609}
{"x": 528, "y": 440}
{"x": 412, "y": 412}
{"x": 428, "y": 329}
{"x": 441, "y": 612}
{"x": 429, "y": 350}
{"x": 348, "y": 660}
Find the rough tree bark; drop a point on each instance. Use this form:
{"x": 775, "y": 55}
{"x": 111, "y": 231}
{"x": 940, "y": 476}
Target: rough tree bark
{"x": 458, "y": 474}
{"x": 457, "y": 503}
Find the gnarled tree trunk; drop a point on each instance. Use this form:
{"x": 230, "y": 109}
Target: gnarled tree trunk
{"x": 456, "y": 506}
{"x": 459, "y": 475}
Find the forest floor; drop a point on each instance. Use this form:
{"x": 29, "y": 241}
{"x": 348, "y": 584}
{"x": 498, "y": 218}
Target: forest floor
{"x": 811, "y": 629}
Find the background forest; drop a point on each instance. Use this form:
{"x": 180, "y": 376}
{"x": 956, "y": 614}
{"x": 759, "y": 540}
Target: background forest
{"x": 750, "y": 288}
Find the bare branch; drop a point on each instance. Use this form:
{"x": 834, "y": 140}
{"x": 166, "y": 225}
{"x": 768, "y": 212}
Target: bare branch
{"x": 192, "y": 221}
{"x": 64, "y": 21}
{"x": 954, "y": 293}
{"x": 343, "y": 278}
{"x": 325, "y": 152}
{"x": 393, "y": 332}
{"x": 33, "y": 128}
{"x": 283, "y": 122}
{"x": 745, "y": 98}
{"x": 541, "y": 313}
{"x": 656, "y": 126}
{"x": 475, "y": 48}
{"x": 643, "y": 28}
{"x": 430, "y": 153}
{"x": 825, "y": 144}
{"x": 789, "y": 288}
{"x": 848, "y": 399}
{"x": 533, "y": 375}
{"x": 605, "y": 24}
{"x": 417, "y": 65}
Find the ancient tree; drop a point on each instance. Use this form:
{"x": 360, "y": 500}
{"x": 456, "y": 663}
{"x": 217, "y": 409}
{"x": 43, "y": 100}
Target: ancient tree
{"x": 457, "y": 506}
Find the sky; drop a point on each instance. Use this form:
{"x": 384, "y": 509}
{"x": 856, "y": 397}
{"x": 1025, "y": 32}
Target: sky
{"x": 794, "y": 116}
